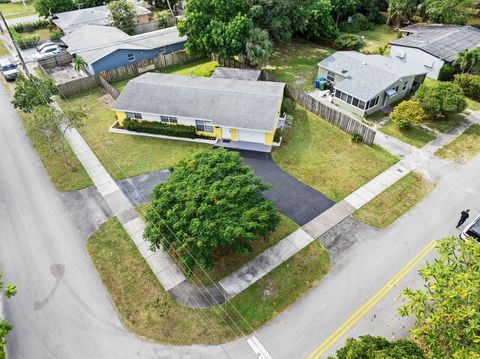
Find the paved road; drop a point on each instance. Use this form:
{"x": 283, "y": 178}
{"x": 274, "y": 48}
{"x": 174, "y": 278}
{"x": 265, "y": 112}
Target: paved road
{"x": 62, "y": 309}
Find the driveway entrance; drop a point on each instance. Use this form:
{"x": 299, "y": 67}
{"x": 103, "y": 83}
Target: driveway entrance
{"x": 293, "y": 198}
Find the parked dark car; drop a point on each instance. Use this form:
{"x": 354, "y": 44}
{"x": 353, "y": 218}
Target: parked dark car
{"x": 472, "y": 230}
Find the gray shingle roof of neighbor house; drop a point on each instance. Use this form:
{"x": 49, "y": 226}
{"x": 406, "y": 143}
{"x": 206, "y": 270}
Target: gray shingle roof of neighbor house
{"x": 71, "y": 20}
{"x": 232, "y": 103}
{"x": 368, "y": 75}
{"x": 237, "y": 74}
{"x": 442, "y": 41}
{"x": 92, "y": 42}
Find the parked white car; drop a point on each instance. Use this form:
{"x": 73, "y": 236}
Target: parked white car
{"x": 472, "y": 230}
{"x": 47, "y": 51}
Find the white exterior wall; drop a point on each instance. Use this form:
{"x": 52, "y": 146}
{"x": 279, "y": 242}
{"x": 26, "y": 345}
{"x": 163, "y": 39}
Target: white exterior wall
{"x": 418, "y": 57}
{"x": 181, "y": 120}
{"x": 251, "y": 136}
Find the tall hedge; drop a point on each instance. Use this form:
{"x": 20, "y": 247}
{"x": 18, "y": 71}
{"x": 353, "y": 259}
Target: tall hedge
{"x": 470, "y": 85}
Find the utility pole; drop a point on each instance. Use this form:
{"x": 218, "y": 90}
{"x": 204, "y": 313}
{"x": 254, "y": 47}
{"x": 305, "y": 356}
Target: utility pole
{"x": 24, "y": 65}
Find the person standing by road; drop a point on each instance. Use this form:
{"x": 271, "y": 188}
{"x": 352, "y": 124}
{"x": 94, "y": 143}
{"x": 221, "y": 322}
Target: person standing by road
{"x": 463, "y": 217}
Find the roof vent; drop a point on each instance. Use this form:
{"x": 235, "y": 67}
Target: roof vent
{"x": 344, "y": 71}
{"x": 364, "y": 63}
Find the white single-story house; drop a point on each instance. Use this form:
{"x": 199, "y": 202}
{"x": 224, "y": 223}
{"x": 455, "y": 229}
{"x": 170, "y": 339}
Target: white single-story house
{"x": 105, "y": 47}
{"x": 70, "y": 21}
{"x": 363, "y": 84}
{"x": 238, "y": 113}
{"x": 432, "y": 46}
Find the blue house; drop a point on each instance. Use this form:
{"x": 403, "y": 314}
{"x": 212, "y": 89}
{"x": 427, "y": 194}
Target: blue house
{"x": 105, "y": 48}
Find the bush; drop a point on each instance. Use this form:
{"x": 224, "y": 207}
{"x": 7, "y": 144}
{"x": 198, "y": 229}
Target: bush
{"x": 407, "y": 113}
{"x": 31, "y": 26}
{"x": 446, "y": 73}
{"x": 359, "y": 23}
{"x": 159, "y": 128}
{"x": 348, "y": 42}
{"x": 163, "y": 19}
{"x": 356, "y": 137}
{"x": 56, "y": 34}
{"x": 470, "y": 85}
{"x": 278, "y": 135}
{"x": 443, "y": 99}
{"x": 25, "y": 41}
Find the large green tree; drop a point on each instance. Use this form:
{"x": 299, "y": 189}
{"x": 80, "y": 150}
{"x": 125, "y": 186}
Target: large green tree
{"x": 258, "y": 47}
{"x": 446, "y": 309}
{"x": 210, "y": 203}
{"x": 33, "y": 91}
{"x": 320, "y": 23}
{"x": 399, "y": 10}
{"x": 47, "y": 8}
{"x": 6, "y": 291}
{"x": 122, "y": 15}
{"x": 212, "y": 26}
{"x": 343, "y": 8}
{"x": 447, "y": 11}
{"x": 369, "y": 347}
{"x": 442, "y": 99}
{"x": 469, "y": 60}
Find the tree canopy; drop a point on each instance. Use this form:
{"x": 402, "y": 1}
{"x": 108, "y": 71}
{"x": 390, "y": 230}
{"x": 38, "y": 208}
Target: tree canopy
{"x": 469, "y": 60}
{"x": 47, "y": 8}
{"x": 447, "y": 11}
{"x": 258, "y": 47}
{"x": 122, "y": 15}
{"x": 369, "y": 347}
{"x": 442, "y": 99}
{"x": 6, "y": 291}
{"x": 210, "y": 203}
{"x": 31, "y": 92}
{"x": 446, "y": 309}
{"x": 399, "y": 10}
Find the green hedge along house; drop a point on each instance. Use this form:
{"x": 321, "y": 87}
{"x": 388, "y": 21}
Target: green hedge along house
{"x": 241, "y": 114}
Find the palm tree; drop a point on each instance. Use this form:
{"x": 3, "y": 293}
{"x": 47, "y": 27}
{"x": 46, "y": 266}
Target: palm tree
{"x": 469, "y": 60}
{"x": 79, "y": 63}
{"x": 399, "y": 10}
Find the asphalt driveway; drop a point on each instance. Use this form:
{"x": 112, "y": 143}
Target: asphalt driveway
{"x": 292, "y": 197}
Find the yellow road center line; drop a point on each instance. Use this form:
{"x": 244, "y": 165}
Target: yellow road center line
{"x": 371, "y": 302}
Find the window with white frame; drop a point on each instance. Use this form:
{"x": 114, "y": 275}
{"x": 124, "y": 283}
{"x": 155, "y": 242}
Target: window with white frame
{"x": 135, "y": 115}
{"x": 331, "y": 76}
{"x": 204, "y": 126}
{"x": 353, "y": 100}
{"x": 131, "y": 57}
{"x": 168, "y": 119}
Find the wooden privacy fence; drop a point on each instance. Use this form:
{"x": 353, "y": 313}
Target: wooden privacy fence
{"x": 78, "y": 86}
{"x": 329, "y": 113}
{"x": 109, "y": 88}
{"x": 57, "y": 60}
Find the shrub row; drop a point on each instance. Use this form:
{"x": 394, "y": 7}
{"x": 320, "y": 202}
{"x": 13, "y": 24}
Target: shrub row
{"x": 159, "y": 128}
{"x": 31, "y": 26}
{"x": 56, "y": 34}
{"x": 25, "y": 41}
{"x": 470, "y": 85}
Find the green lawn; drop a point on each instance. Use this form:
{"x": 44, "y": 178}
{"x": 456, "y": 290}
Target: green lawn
{"x": 324, "y": 157}
{"x": 296, "y": 63}
{"x": 11, "y": 10}
{"x": 445, "y": 124}
{"x": 3, "y": 50}
{"x": 464, "y": 147}
{"x": 415, "y": 136}
{"x": 43, "y": 34}
{"x": 148, "y": 311}
{"x": 380, "y": 36}
{"x": 125, "y": 155}
{"x": 202, "y": 67}
{"x": 473, "y": 105}
{"x": 395, "y": 201}
{"x": 64, "y": 178}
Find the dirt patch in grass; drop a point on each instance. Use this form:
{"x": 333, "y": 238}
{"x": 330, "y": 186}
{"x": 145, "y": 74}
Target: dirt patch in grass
{"x": 395, "y": 201}
{"x": 125, "y": 155}
{"x": 463, "y": 148}
{"x": 147, "y": 310}
{"x": 324, "y": 157}
{"x": 415, "y": 136}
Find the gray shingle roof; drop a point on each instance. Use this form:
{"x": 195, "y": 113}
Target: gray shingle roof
{"x": 93, "y": 42}
{"x": 233, "y": 103}
{"x": 237, "y": 74}
{"x": 442, "y": 41}
{"x": 367, "y": 75}
{"x": 69, "y": 21}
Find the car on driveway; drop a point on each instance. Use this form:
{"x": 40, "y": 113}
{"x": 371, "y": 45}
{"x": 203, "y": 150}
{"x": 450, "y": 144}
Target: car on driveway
{"x": 8, "y": 69}
{"x": 472, "y": 230}
{"x": 47, "y": 51}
